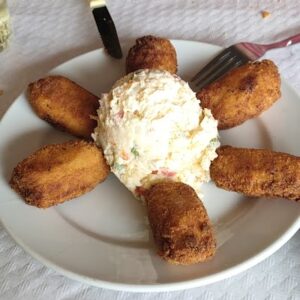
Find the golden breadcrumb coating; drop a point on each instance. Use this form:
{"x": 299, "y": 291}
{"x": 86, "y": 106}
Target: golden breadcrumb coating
{"x": 179, "y": 222}
{"x": 64, "y": 104}
{"x": 59, "y": 172}
{"x": 151, "y": 52}
{"x": 242, "y": 94}
{"x": 257, "y": 172}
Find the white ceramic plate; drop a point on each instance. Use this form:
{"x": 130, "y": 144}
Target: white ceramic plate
{"x": 102, "y": 238}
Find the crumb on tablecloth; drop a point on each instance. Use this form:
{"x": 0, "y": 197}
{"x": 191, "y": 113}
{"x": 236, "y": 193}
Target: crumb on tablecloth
{"x": 265, "y": 14}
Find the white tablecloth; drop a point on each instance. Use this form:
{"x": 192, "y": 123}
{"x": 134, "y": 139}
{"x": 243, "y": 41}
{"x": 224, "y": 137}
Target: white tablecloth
{"x": 47, "y": 33}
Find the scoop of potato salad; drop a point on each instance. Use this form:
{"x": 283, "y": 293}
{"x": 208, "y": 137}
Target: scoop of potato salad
{"x": 151, "y": 128}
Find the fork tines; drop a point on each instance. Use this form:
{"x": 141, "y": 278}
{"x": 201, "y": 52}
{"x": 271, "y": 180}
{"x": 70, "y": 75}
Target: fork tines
{"x": 228, "y": 59}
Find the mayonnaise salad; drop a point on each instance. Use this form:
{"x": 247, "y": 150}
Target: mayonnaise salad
{"x": 151, "y": 128}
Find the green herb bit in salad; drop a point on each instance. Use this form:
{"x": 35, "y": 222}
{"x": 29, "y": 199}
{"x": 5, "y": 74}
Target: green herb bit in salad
{"x": 134, "y": 152}
{"x": 118, "y": 166}
{"x": 214, "y": 141}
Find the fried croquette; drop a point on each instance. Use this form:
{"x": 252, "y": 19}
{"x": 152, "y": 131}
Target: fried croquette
{"x": 242, "y": 94}
{"x": 64, "y": 104}
{"x": 257, "y": 172}
{"x": 179, "y": 222}
{"x": 151, "y": 52}
{"x": 59, "y": 172}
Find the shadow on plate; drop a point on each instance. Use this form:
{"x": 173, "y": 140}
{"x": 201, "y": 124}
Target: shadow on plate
{"x": 104, "y": 238}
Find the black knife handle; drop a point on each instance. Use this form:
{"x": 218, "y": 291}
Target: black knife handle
{"x": 108, "y": 31}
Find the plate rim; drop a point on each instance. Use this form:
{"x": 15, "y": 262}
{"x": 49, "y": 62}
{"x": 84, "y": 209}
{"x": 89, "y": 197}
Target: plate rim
{"x": 155, "y": 287}
{"x": 165, "y": 287}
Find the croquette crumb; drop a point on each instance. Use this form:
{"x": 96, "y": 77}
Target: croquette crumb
{"x": 265, "y": 14}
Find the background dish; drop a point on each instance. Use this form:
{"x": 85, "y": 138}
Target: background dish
{"x": 102, "y": 238}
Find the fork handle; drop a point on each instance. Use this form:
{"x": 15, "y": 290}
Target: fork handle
{"x": 284, "y": 43}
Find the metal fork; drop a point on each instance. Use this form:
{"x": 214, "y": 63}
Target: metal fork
{"x": 235, "y": 56}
